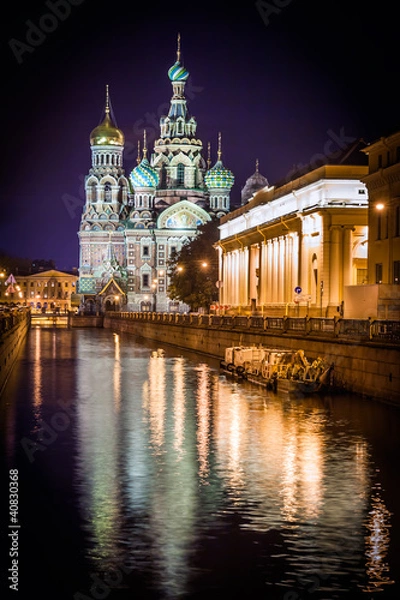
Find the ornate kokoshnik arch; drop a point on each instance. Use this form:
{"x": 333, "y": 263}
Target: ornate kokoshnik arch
{"x": 182, "y": 215}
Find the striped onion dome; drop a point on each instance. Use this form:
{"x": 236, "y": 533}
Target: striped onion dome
{"x": 178, "y": 72}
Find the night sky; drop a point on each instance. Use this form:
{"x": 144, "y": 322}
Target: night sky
{"x": 283, "y": 81}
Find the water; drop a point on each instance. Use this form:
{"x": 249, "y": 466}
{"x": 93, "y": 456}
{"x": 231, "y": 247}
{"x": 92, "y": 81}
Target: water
{"x": 147, "y": 477}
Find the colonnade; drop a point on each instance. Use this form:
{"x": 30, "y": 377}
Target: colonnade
{"x": 267, "y": 272}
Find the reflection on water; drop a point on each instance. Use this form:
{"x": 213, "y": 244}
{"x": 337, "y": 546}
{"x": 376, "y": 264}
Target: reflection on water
{"x": 377, "y": 543}
{"x": 194, "y": 482}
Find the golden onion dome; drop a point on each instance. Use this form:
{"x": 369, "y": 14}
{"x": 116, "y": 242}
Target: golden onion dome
{"x": 107, "y": 133}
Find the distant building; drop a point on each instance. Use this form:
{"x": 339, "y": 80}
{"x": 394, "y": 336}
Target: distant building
{"x": 132, "y": 224}
{"x": 293, "y": 248}
{"x": 47, "y": 289}
{"x": 254, "y": 183}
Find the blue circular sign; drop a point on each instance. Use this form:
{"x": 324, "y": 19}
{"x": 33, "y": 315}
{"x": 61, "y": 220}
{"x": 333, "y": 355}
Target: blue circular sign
{"x": 298, "y": 290}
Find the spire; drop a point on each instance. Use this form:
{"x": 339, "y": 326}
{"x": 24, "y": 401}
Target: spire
{"x": 178, "y": 49}
{"x": 144, "y": 144}
{"x": 107, "y": 132}
{"x": 209, "y": 156}
{"x": 138, "y": 159}
{"x": 257, "y": 165}
{"x": 107, "y": 109}
{"x": 219, "y": 153}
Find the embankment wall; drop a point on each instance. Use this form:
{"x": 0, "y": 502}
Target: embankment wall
{"x": 14, "y": 327}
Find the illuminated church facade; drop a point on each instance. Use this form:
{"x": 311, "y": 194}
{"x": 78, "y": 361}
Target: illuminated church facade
{"x": 131, "y": 224}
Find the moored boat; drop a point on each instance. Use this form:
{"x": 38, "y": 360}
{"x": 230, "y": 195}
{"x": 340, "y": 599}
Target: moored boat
{"x": 279, "y": 369}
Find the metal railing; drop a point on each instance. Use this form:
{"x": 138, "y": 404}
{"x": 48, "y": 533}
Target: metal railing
{"x": 346, "y": 329}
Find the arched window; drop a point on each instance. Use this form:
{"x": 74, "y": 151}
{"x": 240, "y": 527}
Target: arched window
{"x": 180, "y": 175}
{"x": 107, "y": 193}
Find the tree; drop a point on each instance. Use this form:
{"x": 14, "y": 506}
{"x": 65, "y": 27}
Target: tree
{"x": 193, "y": 272}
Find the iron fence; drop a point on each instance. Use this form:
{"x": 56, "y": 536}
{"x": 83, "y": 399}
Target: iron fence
{"x": 347, "y": 329}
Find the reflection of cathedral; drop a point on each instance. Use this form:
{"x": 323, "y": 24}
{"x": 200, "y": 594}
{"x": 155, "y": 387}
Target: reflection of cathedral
{"x": 131, "y": 225}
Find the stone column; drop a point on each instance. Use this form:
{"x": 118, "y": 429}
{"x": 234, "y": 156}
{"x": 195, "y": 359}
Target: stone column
{"x": 335, "y": 276}
{"x": 347, "y": 256}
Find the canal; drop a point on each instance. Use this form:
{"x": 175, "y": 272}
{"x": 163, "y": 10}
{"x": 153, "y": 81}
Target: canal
{"x": 132, "y": 474}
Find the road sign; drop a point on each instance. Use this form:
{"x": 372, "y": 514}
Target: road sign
{"x": 298, "y": 290}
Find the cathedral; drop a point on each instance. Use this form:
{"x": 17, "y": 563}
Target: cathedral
{"x": 131, "y": 224}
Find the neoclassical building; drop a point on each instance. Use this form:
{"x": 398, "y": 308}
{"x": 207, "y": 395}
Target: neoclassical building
{"x": 51, "y": 290}
{"x": 131, "y": 224}
{"x": 292, "y": 249}
{"x": 383, "y": 183}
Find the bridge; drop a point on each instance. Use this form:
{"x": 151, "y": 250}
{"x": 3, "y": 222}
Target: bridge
{"x": 49, "y": 320}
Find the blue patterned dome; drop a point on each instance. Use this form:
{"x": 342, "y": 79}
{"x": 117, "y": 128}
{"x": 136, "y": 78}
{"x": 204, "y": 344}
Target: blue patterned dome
{"x": 218, "y": 177}
{"x": 144, "y": 176}
{"x": 178, "y": 72}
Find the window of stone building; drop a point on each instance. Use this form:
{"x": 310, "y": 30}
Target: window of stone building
{"x": 396, "y": 272}
{"x": 180, "y": 174}
{"x": 145, "y": 280}
{"x": 378, "y": 272}
{"x": 107, "y": 192}
{"x": 397, "y": 223}
{"x": 145, "y": 251}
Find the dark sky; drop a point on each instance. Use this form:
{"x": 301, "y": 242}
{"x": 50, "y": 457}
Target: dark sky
{"x": 283, "y": 81}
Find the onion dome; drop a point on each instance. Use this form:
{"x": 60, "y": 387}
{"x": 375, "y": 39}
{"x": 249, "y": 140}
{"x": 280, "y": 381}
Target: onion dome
{"x": 253, "y": 184}
{"x": 178, "y": 72}
{"x": 219, "y": 177}
{"x": 144, "y": 176}
{"x": 107, "y": 133}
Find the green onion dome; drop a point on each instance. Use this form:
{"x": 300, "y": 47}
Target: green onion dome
{"x": 144, "y": 176}
{"x": 218, "y": 177}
